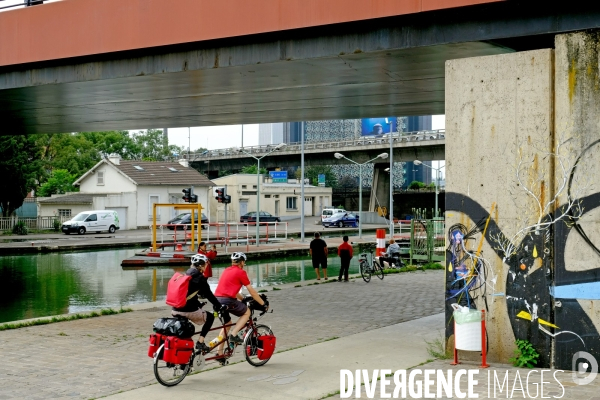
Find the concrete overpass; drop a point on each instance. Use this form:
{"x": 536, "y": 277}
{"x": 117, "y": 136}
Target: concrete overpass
{"x": 106, "y": 64}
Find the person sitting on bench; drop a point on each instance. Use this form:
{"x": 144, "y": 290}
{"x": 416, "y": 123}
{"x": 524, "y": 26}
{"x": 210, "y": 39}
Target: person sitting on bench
{"x": 392, "y": 255}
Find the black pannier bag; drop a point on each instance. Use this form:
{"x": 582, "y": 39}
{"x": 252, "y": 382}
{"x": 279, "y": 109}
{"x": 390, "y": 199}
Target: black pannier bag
{"x": 180, "y": 327}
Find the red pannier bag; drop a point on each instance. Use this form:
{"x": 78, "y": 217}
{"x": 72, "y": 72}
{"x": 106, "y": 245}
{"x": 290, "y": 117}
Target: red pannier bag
{"x": 266, "y": 347}
{"x": 178, "y": 350}
{"x": 156, "y": 339}
{"x": 177, "y": 290}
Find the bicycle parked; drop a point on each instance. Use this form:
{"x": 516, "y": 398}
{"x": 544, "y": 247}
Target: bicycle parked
{"x": 368, "y": 265}
{"x": 175, "y": 357}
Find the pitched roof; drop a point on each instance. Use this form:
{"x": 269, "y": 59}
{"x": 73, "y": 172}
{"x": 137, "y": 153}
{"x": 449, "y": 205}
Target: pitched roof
{"x": 76, "y": 198}
{"x": 155, "y": 173}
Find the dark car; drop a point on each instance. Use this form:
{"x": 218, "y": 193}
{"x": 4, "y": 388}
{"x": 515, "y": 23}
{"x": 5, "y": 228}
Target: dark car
{"x": 186, "y": 219}
{"x": 341, "y": 220}
{"x": 250, "y": 218}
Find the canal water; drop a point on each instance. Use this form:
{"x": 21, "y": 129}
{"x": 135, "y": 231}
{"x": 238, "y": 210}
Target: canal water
{"x": 42, "y": 285}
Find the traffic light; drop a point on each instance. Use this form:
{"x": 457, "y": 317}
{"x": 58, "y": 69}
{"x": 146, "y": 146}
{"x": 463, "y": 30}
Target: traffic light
{"x": 187, "y": 194}
{"x": 227, "y": 199}
{"x": 194, "y": 198}
{"x": 220, "y": 194}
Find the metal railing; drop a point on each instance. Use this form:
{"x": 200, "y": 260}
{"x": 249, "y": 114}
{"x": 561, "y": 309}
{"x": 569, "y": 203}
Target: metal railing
{"x": 325, "y": 145}
{"x": 24, "y": 3}
{"x": 7, "y": 223}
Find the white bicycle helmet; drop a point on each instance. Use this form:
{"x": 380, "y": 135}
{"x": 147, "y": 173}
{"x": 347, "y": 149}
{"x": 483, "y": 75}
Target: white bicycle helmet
{"x": 199, "y": 259}
{"x": 238, "y": 255}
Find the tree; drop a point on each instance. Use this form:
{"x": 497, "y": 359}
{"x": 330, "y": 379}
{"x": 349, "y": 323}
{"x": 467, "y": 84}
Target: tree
{"x": 20, "y": 165}
{"x": 151, "y": 145}
{"x": 312, "y": 173}
{"x": 348, "y": 181}
{"x": 60, "y": 182}
{"x": 416, "y": 185}
{"x": 251, "y": 169}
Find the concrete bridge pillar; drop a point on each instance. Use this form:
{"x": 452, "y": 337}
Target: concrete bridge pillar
{"x": 380, "y": 191}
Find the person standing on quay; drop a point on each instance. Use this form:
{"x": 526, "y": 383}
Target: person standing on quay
{"x": 318, "y": 253}
{"x": 345, "y": 253}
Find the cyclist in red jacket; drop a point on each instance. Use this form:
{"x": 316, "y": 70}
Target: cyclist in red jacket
{"x": 211, "y": 255}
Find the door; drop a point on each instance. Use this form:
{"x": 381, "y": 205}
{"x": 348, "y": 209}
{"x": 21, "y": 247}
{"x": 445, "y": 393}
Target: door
{"x": 91, "y": 223}
{"x": 122, "y": 215}
{"x": 277, "y": 208}
{"x": 243, "y": 208}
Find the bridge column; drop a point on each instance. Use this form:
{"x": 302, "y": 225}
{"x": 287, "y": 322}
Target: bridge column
{"x": 380, "y": 191}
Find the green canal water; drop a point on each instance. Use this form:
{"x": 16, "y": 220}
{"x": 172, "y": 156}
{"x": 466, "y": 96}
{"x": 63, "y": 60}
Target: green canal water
{"x": 42, "y": 285}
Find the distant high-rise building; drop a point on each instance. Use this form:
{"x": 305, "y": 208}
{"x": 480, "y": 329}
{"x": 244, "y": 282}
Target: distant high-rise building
{"x": 414, "y": 172}
{"x": 271, "y": 133}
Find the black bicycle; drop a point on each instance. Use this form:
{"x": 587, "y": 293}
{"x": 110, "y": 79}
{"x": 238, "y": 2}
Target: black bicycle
{"x": 368, "y": 265}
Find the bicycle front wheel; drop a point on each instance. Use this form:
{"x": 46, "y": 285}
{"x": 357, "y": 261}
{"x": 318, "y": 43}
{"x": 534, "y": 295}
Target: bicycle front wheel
{"x": 250, "y": 346}
{"x": 378, "y": 270}
{"x": 365, "y": 271}
{"x": 168, "y": 374}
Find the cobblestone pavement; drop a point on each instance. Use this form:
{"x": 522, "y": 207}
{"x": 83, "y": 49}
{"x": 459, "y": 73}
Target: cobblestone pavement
{"x": 95, "y": 357}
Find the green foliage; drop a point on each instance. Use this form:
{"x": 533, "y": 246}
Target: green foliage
{"x": 437, "y": 348}
{"x": 416, "y": 185}
{"x": 251, "y": 169}
{"x": 60, "y": 182}
{"x": 72, "y": 317}
{"x": 312, "y": 174}
{"x": 20, "y": 167}
{"x": 20, "y": 228}
{"x": 431, "y": 185}
{"x": 432, "y": 265}
{"x": 525, "y": 355}
{"x": 56, "y": 225}
{"x": 340, "y": 207}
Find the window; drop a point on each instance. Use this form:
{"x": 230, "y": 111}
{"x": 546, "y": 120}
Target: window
{"x": 100, "y": 176}
{"x": 291, "y": 203}
{"x": 64, "y": 213}
{"x": 153, "y": 198}
{"x": 267, "y": 196}
{"x": 92, "y": 217}
{"x": 248, "y": 193}
{"x": 253, "y": 186}
{"x": 276, "y": 196}
{"x": 244, "y": 186}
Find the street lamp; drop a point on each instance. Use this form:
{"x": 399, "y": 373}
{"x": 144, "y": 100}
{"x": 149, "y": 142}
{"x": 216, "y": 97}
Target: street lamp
{"x": 437, "y": 171}
{"x": 391, "y": 208}
{"x": 339, "y": 156}
{"x": 241, "y": 150}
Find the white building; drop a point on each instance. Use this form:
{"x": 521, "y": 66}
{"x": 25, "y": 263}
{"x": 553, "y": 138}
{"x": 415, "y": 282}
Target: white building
{"x": 279, "y": 199}
{"x": 130, "y": 188}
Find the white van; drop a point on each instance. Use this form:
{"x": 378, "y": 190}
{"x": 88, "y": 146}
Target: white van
{"x": 92, "y": 221}
{"x": 328, "y": 212}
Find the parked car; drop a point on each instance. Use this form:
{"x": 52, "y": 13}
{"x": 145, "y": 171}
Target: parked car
{"x": 328, "y": 212}
{"x": 92, "y": 221}
{"x": 250, "y": 218}
{"x": 186, "y": 219}
{"x": 341, "y": 220}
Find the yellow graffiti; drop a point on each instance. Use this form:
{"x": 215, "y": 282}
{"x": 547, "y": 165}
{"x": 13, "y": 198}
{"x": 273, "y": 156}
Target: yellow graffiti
{"x": 534, "y": 252}
{"x": 527, "y": 316}
{"x": 450, "y": 267}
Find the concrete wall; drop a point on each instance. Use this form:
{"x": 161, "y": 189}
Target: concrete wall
{"x": 525, "y": 137}
{"x": 114, "y": 181}
{"x": 498, "y": 114}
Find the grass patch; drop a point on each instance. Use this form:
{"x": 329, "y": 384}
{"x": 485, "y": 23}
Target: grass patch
{"x": 44, "y": 321}
{"x": 298, "y": 286}
{"x": 263, "y": 291}
{"x": 437, "y": 348}
{"x": 276, "y": 288}
{"x": 432, "y": 266}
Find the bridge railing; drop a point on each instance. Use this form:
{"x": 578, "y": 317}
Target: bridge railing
{"x": 397, "y": 137}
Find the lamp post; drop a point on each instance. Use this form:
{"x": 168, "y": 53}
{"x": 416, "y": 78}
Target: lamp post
{"x": 391, "y": 208}
{"x": 437, "y": 172}
{"x": 339, "y": 156}
{"x": 278, "y": 147}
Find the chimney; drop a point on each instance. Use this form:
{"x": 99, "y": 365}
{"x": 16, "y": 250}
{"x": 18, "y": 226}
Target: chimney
{"x": 184, "y": 162}
{"x": 114, "y": 158}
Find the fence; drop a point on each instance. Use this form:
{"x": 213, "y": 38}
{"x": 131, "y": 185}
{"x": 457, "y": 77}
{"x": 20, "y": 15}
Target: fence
{"x": 427, "y": 240}
{"x": 7, "y": 223}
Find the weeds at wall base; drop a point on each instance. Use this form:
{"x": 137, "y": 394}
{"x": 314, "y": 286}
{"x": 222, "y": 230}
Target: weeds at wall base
{"x": 45, "y": 321}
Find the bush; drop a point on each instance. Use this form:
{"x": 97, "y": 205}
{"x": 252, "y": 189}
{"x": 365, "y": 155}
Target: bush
{"x": 525, "y": 355}
{"x": 56, "y": 225}
{"x": 416, "y": 185}
{"x": 20, "y": 228}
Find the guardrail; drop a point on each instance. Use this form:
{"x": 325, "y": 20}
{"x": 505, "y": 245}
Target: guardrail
{"x": 7, "y": 223}
{"x": 226, "y": 234}
{"x": 25, "y": 3}
{"x": 324, "y": 145}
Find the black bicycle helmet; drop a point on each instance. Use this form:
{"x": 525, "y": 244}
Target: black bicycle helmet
{"x": 238, "y": 255}
{"x": 199, "y": 259}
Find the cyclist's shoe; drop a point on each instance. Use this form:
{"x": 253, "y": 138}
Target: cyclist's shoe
{"x": 222, "y": 361}
{"x": 202, "y": 347}
{"x": 235, "y": 339}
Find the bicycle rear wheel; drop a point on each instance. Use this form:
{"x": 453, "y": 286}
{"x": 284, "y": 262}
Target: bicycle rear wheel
{"x": 168, "y": 374}
{"x": 365, "y": 271}
{"x": 250, "y": 345}
{"x": 378, "y": 270}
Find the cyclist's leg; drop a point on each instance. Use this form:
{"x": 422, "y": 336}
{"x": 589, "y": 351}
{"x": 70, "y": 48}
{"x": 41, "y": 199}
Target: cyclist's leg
{"x": 239, "y": 325}
{"x": 210, "y": 318}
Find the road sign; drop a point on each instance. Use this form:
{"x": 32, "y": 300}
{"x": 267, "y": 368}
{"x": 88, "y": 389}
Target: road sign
{"x": 321, "y": 179}
{"x": 279, "y": 176}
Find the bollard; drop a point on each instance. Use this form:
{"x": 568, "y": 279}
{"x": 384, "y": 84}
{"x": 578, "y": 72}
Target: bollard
{"x": 380, "y": 235}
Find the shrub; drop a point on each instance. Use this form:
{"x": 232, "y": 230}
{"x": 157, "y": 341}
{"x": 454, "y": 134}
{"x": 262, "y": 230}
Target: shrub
{"x": 56, "y": 225}
{"x": 525, "y": 355}
{"x": 20, "y": 228}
